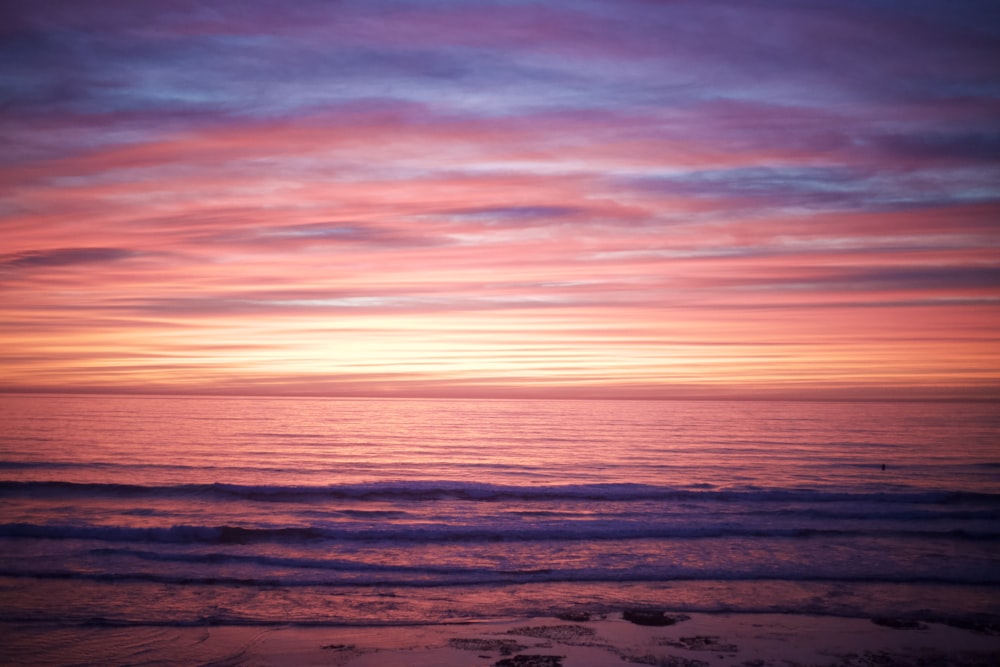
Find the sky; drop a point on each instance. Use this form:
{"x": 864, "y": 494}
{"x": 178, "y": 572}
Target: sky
{"x": 512, "y": 198}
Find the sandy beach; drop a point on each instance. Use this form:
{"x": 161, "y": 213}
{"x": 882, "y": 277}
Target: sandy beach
{"x": 682, "y": 640}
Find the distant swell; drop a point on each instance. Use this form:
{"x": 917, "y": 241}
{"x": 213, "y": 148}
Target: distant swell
{"x": 436, "y": 490}
{"x": 593, "y": 530}
{"x": 474, "y": 577}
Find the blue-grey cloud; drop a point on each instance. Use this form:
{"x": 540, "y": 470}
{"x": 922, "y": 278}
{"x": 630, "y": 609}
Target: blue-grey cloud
{"x": 774, "y": 187}
{"x": 35, "y": 259}
{"x": 953, "y": 279}
{"x": 923, "y": 277}
{"x": 959, "y": 146}
{"x": 513, "y": 215}
{"x": 843, "y": 187}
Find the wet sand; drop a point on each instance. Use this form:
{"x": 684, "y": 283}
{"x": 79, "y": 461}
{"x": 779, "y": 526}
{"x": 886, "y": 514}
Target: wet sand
{"x": 658, "y": 638}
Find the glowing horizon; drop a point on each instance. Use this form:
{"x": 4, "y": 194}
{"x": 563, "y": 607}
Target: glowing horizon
{"x": 443, "y": 198}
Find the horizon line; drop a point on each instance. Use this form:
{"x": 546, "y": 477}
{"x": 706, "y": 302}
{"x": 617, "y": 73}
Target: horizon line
{"x": 810, "y": 397}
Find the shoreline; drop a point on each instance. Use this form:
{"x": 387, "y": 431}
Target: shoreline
{"x": 579, "y": 640}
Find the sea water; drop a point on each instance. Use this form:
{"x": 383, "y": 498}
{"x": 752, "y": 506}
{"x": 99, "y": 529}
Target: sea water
{"x": 178, "y": 511}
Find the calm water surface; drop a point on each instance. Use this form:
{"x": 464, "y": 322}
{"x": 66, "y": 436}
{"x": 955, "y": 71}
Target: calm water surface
{"x": 167, "y": 512}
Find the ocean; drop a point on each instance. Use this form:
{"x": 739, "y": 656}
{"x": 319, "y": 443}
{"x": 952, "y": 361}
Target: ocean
{"x": 158, "y": 512}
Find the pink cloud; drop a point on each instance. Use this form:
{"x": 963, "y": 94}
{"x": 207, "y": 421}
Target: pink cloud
{"x": 507, "y": 199}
